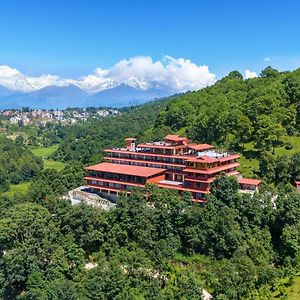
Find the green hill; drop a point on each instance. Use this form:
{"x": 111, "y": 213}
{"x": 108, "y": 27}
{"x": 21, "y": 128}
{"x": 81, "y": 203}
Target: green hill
{"x": 258, "y": 118}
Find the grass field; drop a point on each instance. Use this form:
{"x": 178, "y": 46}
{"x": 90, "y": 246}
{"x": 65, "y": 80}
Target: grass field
{"x": 295, "y": 141}
{"x": 52, "y": 164}
{"x": 44, "y": 153}
{"x": 18, "y": 188}
{"x": 249, "y": 157}
{"x": 293, "y": 292}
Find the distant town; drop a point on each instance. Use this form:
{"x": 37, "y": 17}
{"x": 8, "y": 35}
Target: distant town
{"x": 40, "y": 117}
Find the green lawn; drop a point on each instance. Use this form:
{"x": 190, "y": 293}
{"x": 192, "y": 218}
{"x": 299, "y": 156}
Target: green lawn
{"x": 248, "y": 161}
{"x": 44, "y": 153}
{"x": 248, "y": 166}
{"x": 294, "y": 291}
{"x": 295, "y": 141}
{"x": 18, "y": 188}
{"x": 249, "y": 156}
{"x": 52, "y": 164}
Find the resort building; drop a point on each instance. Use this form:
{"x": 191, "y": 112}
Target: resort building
{"x": 174, "y": 163}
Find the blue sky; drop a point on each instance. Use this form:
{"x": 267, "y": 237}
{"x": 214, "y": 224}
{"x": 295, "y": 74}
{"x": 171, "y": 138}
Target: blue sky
{"x": 71, "y": 38}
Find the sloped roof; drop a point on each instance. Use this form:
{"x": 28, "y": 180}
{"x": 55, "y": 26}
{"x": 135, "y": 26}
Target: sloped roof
{"x": 201, "y": 147}
{"x": 126, "y": 169}
{"x": 174, "y": 137}
{"x": 204, "y": 158}
{"x": 249, "y": 181}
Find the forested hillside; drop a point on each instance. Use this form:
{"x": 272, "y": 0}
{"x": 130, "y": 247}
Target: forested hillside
{"x": 165, "y": 247}
{"x": 17, "y": 163}
{"x": 259, "y": 118}
{"x": 235, "y": 111}
{"x": 86, "y": 141}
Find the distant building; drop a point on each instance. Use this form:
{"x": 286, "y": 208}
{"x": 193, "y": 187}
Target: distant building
{"x": 174, "y": 163}
{"x": 25, "y": 121}
{"x": 8, "y": 113}
{"x": 58, "y": 113}
{"x": 36, "y": 113}
{"x": 249, "y": 185}
{"x": 14, "y": 120}
{"x": 298, "y": 186}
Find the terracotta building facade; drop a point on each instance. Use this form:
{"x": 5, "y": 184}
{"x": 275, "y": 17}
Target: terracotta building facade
{"x": 174, "y": 163}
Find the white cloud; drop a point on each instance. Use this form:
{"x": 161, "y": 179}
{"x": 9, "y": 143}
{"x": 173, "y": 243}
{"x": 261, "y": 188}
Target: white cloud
{"x": 267, "y": 59}
{"x": 250, "y": 74}
{"x": 176, "y": 75}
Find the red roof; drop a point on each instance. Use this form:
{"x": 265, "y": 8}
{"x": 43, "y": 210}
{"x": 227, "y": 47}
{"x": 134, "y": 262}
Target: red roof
{"x": 126, "y": 169}
{"x": 297, "y": 182}
{"x": 212, "y": 170}
{"x": 174, "y": 137}
{"x": 203, "y": 158}
{"x": 229, "y": 157}
{"x": 201, "y": 147}
{"x": 249, "y": 181}
{"x": 130, "y": 139}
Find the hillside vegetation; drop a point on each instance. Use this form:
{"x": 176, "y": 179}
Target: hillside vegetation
{"x": 17, "y": 163}
{"x": 258, "y": 118}
{"x": 235, "y": 111}
{"x": 163, "y": 247}
{"x": 237, "y": 246}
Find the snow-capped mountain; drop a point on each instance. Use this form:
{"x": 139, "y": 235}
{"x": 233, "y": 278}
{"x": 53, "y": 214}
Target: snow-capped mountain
{"x": 129, "y": 81}
{"x": 50, "y": 91}
{"x": 60, "y": 97}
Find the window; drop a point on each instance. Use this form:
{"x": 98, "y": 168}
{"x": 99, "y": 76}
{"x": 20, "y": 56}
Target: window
{"x": 178, "y": 177}
{"x": 200, "y": 185}
{"x": 199, "y": 195}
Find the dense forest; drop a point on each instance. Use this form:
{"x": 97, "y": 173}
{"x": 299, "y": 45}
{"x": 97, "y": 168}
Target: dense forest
{"x": 235, "y": 111}
{"x": 17, "y": 163}
{"x": 163, "y": 247}
{"x": 86, "y": 141}
{"x": 253, "y": 117}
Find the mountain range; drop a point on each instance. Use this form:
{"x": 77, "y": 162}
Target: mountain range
{"x": 60, "y": 97}
{"x": 129, "y": 82}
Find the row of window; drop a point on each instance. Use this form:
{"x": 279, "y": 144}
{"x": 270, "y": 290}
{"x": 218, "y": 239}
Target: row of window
{"x": 117, "y": 177}
{"x": 199, "y": 185}
{"x": 128, "y": 187}
{"x": 142, "y": 164}
{"x": 148, "y": 158}
{"x": 199, "y": 196}
{"x": 207, "y": 176}
{"x": 111, "y": 185}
